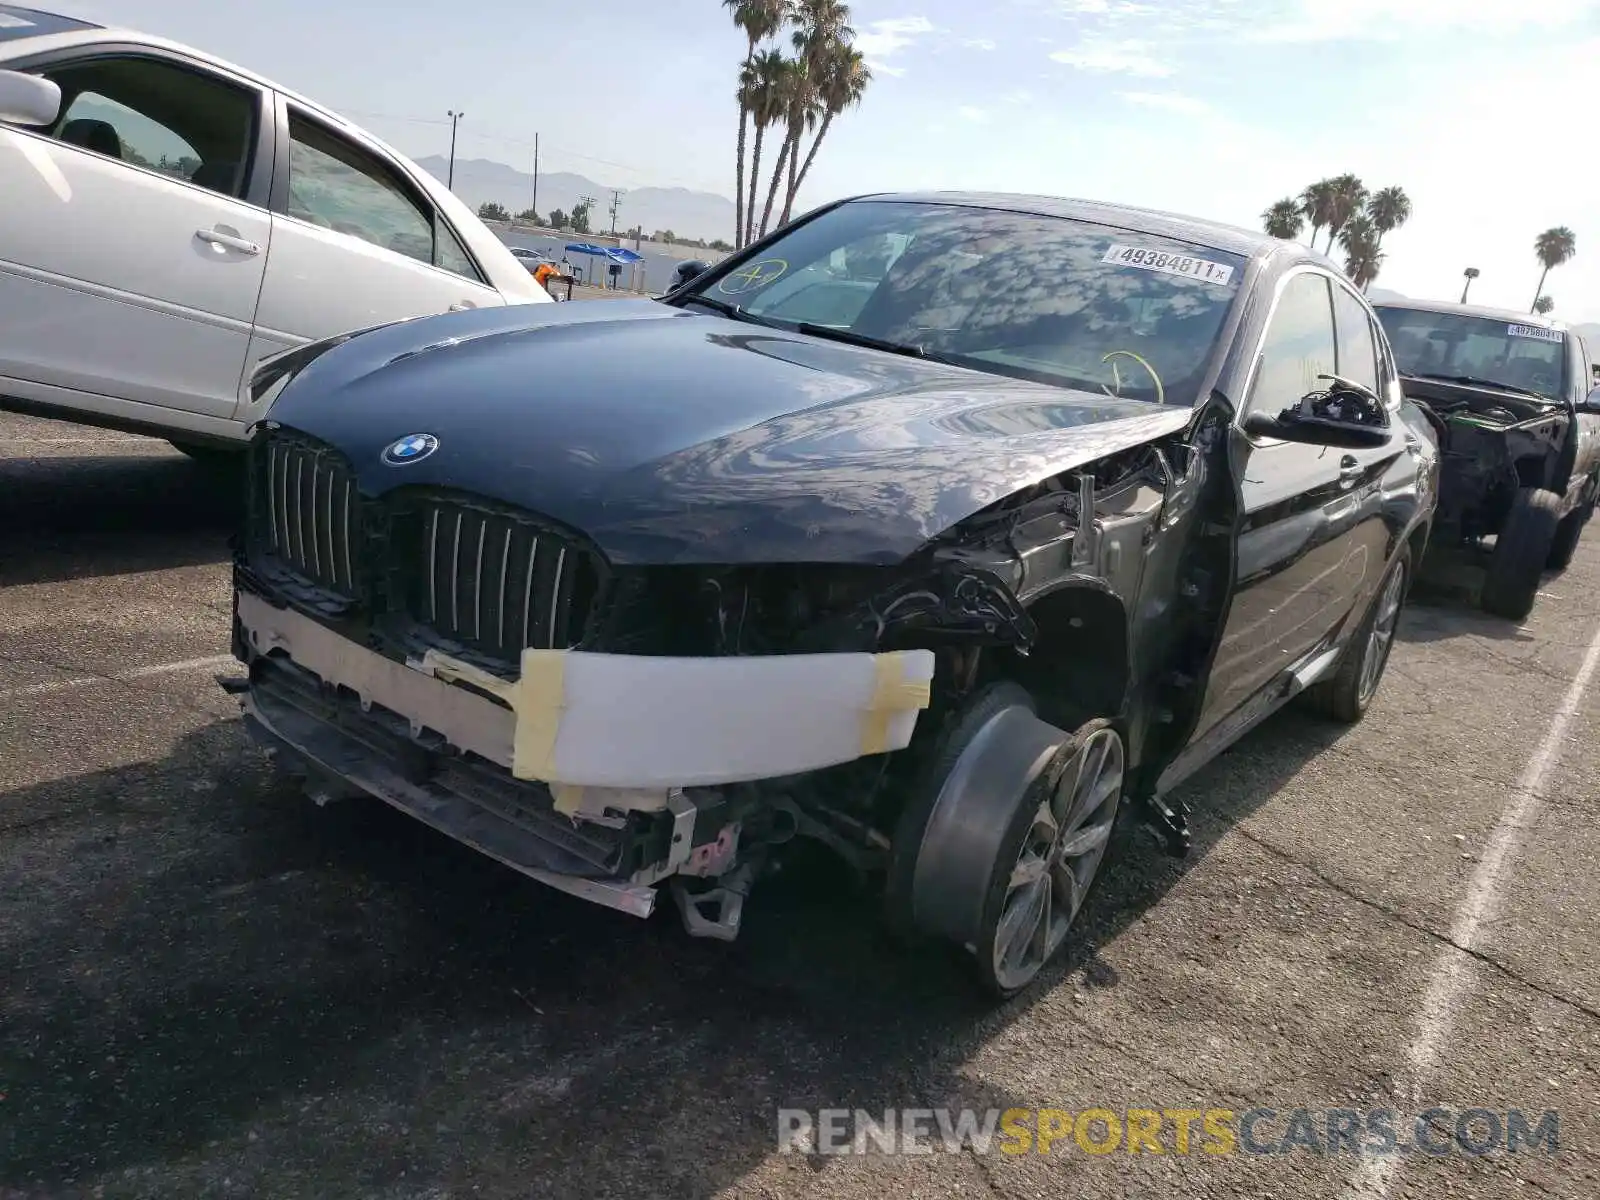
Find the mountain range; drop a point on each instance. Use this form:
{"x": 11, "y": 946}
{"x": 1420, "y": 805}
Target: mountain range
{"x": 478, "y": 181}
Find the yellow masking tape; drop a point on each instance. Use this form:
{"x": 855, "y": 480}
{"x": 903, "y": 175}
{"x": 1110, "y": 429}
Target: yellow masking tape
{"x": 568, "y": 797}
{"x": 892, "y": 693}
{"x": 537, "y": 698}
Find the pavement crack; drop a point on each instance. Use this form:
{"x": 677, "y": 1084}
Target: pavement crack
{"x": 1400, "y": 918}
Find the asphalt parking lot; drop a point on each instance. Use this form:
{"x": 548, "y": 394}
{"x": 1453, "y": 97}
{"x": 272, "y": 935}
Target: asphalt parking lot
{"x": 209, "y": 987}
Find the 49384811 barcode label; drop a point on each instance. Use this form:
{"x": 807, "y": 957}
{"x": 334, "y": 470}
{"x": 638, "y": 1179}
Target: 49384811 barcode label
{"x": 1169, "y": 263}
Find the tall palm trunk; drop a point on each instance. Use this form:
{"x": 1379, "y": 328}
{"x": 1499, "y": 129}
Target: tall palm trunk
{"x": 1539, "y": 291}
{"x": 822, "y": 132}
{"x": 777, "y": 179}
{"x": 755, "y": 178}
{"x": 738, "y": 180}
{"x": 794, "y": 184}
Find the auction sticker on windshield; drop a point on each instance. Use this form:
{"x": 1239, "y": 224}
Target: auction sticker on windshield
{"x": 1169, "y": 263}
{"x": 1534, "y": 331}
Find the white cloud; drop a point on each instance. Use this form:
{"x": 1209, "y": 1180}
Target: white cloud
{"x": 882, "y": 40}
{"x": 977, "y": 116}
{"x": 979, "y": 44}
{"x": 1127, "y": 57}
{"x": 1167, "y": 101}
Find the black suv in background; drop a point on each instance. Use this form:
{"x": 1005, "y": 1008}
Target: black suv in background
{"x": 1519, "y": 430}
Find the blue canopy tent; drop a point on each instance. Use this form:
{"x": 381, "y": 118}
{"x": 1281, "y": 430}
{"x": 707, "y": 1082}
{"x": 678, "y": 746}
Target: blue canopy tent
{"x": 588, "y": 248}
{"x": 622, "y": 256}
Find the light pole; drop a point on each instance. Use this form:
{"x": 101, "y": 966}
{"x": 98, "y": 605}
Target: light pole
{"x": 454, "y": 116}
{"x": 1471, "y": 273}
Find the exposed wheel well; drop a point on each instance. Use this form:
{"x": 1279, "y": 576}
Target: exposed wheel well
{"x": 1078, "y": 667}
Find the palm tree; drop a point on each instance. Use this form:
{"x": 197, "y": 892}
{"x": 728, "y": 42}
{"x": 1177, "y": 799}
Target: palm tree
{"x": 1349, "y": 199}
{"x": 1284, "y": 219}
{"x": 1389, "y": 209}
{"x": 760, "y": 20}
{"x": 1317, "y": 203}
{"x": 799, "y": 113}
{"x": 844, "y": 79}
{"x": 767, "y": 101}
{"x": 1469, "y": 275}
{"x": 1543, "y": 305}
{"x": 1552, "y": 248}
{"x": 822, "y": 31}
{"x": 1359, "y": 236}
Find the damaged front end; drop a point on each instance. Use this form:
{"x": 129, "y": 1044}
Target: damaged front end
{"x": 609, "y": 730}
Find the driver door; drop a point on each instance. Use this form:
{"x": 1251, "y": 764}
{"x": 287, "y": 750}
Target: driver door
{"x": 1312, "y": 541}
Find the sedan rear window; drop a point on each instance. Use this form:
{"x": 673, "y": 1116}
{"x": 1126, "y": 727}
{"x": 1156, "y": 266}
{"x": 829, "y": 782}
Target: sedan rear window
{"x": 1049, "y": 299}
{"x": 19, "y": 23}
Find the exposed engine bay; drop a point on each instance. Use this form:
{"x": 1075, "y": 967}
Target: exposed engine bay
{"x": 1491, "y": 444}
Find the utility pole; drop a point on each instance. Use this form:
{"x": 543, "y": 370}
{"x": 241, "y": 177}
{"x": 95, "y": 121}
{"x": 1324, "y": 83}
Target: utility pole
{"x": 588, "y": 202}
{"x": 536, "y": 175}
{"x": 454, "y": 116}
{"x": 616, "y": 199}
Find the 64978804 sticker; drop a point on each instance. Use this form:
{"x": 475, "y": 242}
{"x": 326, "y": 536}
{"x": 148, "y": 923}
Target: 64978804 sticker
{"x": 1538, "y": 332}
{"x": 1169, "y": 262}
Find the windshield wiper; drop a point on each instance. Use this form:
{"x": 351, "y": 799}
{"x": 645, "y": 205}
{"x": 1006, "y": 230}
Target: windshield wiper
{"x": 1477, "y": 381}
{"x": 852, "y": 338}
{"x": 733, "y": 311}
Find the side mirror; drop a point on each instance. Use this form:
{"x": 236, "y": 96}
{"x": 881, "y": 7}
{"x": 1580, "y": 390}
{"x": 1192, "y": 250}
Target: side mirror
{"x": 28, "y": 99}
{"x": 1591, "y": 402}
{"x": 1347, "y": 415}
{"x": 688, "y": 271}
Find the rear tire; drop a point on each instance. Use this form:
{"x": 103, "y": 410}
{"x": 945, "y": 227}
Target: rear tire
{"x": 1521, "y": 551}
{"x": 1568, "y": 534}
{"x": 1348, "y": 694}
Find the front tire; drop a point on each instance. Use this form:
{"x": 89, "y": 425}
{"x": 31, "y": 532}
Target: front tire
{"x": 1521, "y": 551}
{"x": 1348, "y": 694}
{"x": 1006, "y": 837}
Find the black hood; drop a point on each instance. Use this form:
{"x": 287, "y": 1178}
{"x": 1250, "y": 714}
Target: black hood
{"x": 672, "y": 436}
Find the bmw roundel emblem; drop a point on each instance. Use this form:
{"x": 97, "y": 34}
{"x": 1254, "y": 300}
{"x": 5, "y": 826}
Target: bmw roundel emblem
{"x": 414, "y": 447}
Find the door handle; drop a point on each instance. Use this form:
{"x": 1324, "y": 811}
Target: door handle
{"x": 462, "y": 305}
{"x": 1349, "y": 471}
{"x": 227, "y": 240}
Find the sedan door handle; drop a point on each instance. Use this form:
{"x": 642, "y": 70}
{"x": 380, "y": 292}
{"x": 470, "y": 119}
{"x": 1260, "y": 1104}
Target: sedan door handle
{"x": 227, "y": 240}
{"x": 1349, "y": 471}
{"x": 462, "y": 305}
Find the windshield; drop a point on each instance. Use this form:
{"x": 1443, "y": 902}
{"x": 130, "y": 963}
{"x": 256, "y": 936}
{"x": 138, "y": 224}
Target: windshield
{"x": 18, "y": 23}
{"x": 1525, "y": 357}
{"x": 1035, "y": 297}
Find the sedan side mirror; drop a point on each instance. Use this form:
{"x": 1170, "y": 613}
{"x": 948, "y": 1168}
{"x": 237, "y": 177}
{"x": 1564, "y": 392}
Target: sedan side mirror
{"x": 688, "y": 271}
{"x": 28, "y": 99}
{"x": 1348, "y": 415}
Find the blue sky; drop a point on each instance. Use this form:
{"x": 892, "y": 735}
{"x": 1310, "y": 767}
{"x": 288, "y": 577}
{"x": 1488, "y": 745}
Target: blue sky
{"x": 1480, "y": 109}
